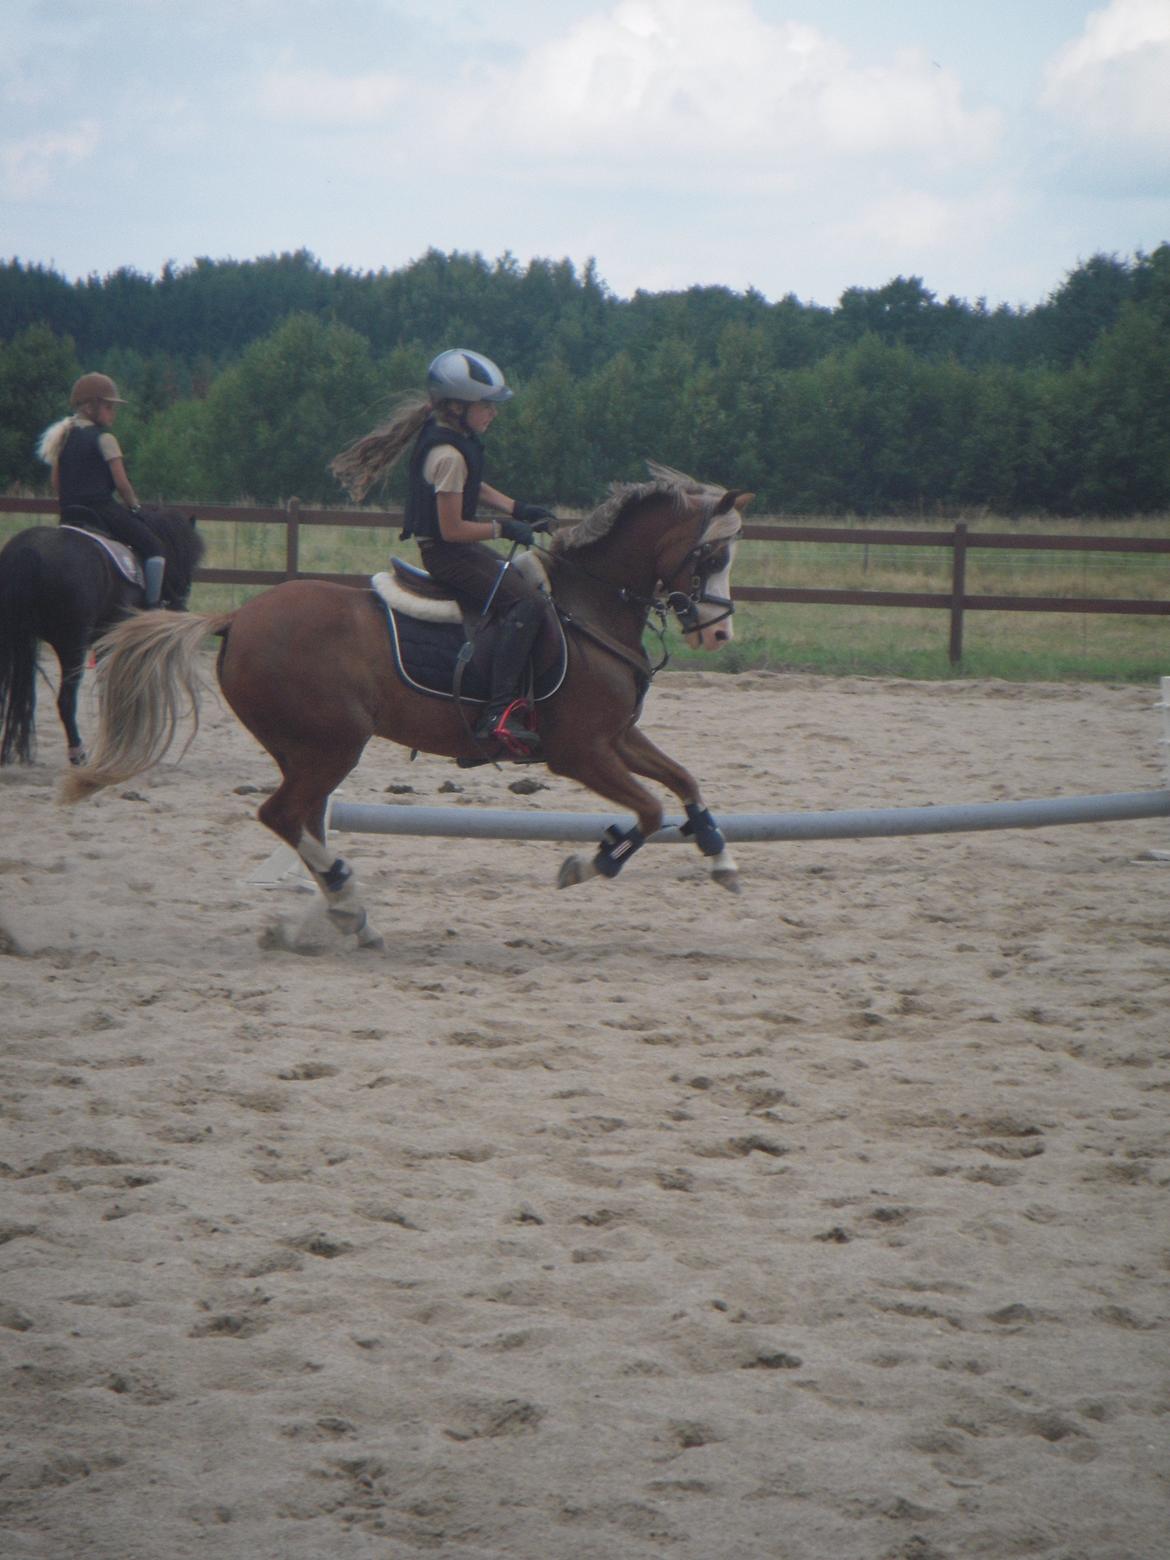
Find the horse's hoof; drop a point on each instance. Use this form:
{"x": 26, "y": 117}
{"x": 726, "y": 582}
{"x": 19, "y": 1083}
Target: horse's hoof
{"x": 728, "y": 878}
{"x": 78, "y": 757}
{"x": 351, "y": 922}
{"x": 574, "y": 869}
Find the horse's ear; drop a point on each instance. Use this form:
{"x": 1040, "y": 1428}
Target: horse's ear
{"x": 734, "y": 498}
{"x": 192, "y": 521}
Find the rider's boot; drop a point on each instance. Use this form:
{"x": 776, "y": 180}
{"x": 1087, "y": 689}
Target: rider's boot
{"x": 153, "y": 570}
{"x": 503, "y": 720}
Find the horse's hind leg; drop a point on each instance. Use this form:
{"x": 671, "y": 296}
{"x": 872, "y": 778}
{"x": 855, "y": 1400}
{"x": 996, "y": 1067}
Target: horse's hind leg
{"x": 71, "y": 656}
{"x": 296, "y": 813}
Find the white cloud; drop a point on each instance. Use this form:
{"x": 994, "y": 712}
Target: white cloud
{"x": 322, "y": 99}
{"x": 701, "y": 92}
{"x": 911, "y": 106}
{"x": 1114, "y": 79}
{"x": 29, "y": 165}
{"x": 908, "y": 230}
{"x": 676, "y": 140}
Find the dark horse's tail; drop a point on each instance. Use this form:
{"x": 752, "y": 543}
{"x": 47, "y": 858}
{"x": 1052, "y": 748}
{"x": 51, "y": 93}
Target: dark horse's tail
{"x": 19, "y": 568}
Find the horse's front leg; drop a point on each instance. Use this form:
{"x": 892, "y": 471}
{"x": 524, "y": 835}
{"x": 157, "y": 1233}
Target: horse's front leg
{"x": 645, "y": 759}
{"x": 604, "y": 771}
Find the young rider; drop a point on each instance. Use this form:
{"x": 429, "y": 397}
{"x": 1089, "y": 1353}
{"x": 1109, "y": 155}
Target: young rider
{"x": 89, "y": 469}
{"x": 464, "y": 392}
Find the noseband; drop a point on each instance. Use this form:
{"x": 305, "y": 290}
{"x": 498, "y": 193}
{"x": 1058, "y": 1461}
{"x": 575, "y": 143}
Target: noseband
{"x": 685, "y": 605}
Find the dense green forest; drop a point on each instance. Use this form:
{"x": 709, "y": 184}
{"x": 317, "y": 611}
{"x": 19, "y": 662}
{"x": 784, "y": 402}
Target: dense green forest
{"x": 246, "y": 376}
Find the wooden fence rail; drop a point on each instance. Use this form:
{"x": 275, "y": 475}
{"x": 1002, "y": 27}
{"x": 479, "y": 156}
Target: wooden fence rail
{"x": 956, "y": 600}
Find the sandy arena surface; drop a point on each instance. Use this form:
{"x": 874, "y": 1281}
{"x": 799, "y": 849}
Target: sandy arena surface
{"x": 823, "y": 1223}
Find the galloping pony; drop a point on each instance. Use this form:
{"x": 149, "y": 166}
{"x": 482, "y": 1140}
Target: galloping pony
{"x": 306, "y": 667}
{"x": 66, "y": 586}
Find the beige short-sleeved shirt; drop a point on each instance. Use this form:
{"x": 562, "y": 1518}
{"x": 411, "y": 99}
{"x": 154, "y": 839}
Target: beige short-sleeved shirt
{"x": 445, "y": 469}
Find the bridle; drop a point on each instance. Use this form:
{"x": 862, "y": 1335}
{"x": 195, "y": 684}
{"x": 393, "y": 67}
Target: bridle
{"x": 684, "y": 604}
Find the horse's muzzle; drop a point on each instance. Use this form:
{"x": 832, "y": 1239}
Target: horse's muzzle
{"x": 705, "y": 621}
{"x": 711, "y": 636}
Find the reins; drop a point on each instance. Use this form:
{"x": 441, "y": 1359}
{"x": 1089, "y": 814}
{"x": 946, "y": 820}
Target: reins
{"x": 641, "y": 665}
{"x": 684, "y": 606}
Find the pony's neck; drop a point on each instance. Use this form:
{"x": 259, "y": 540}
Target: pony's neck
{"x": 635, "y": 549}
{"x": 612, "y": 581}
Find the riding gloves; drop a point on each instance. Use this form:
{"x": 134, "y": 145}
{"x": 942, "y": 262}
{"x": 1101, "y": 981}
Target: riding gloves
{"x": 536, "y": 515}
{"x": 518, "y": 531}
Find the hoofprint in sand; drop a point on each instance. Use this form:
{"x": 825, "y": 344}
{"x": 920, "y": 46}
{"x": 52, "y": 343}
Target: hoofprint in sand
{"x": 627, "y": 1220}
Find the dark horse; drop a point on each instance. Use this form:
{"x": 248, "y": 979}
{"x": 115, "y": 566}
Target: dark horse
{"x": 306, "y": 668}
{"x": 60, "y": 585}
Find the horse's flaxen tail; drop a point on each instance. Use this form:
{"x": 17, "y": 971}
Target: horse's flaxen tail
{"x": 18, "y": 655}
{"x": 148, "y": 679}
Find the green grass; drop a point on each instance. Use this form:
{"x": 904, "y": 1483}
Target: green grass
{"x": 895, "y": 642}
{"x": 914, "y": 642}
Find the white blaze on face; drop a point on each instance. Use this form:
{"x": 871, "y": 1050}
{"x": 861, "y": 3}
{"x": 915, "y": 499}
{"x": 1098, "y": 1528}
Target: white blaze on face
{"x": 714, "y": 635}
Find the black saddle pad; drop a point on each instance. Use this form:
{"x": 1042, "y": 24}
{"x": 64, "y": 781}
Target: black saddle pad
{"x": 425, "y": 655}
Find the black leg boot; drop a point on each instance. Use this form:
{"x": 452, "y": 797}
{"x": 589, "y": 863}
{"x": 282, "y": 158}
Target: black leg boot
{"x": 503, "y": 720}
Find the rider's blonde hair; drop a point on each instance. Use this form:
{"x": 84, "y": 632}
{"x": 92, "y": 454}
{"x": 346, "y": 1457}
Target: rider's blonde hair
{"x": 51, "y": 442}
{"x": 370, "y": 458}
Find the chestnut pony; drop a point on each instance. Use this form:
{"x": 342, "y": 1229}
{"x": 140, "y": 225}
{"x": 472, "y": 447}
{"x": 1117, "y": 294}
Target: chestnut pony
{"x": 307, "y": 669}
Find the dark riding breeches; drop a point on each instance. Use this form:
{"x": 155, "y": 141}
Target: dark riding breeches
{"x": 472, "y": 570}
{"x": 117, "y": 521}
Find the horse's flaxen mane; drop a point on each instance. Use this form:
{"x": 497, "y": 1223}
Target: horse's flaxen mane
{"x": 666, "y": 481}
{"x": 679, "y": 479}
{"x": 724, "y": 527}
{"x": 622, "y": 496}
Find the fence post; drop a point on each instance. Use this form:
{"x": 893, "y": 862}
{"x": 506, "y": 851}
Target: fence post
{"x": 292, "y": 538}
{"x": 958, "y": 588}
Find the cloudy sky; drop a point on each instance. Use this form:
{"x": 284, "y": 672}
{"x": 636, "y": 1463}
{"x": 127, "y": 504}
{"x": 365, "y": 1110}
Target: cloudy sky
{"x": 799, "y": 146}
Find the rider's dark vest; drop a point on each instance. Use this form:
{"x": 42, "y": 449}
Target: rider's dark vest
{"x": 83, "y": 473}
{"x": 422, "y": 513}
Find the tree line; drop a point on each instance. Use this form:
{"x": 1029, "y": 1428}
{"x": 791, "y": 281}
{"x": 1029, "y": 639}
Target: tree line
{"x": 246, "y": 376}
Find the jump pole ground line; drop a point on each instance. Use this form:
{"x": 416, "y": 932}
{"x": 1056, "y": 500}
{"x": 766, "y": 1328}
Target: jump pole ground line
{"x": 284, "y": 868}
{"x": 500, "y": 823}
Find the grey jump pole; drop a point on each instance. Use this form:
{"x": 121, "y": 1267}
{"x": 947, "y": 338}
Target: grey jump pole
{"x": 499, "y": 823}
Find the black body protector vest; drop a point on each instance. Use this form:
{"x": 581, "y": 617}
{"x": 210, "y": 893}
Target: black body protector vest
{"x": 422, "y": 513}
{"x": 83, "y": 473}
